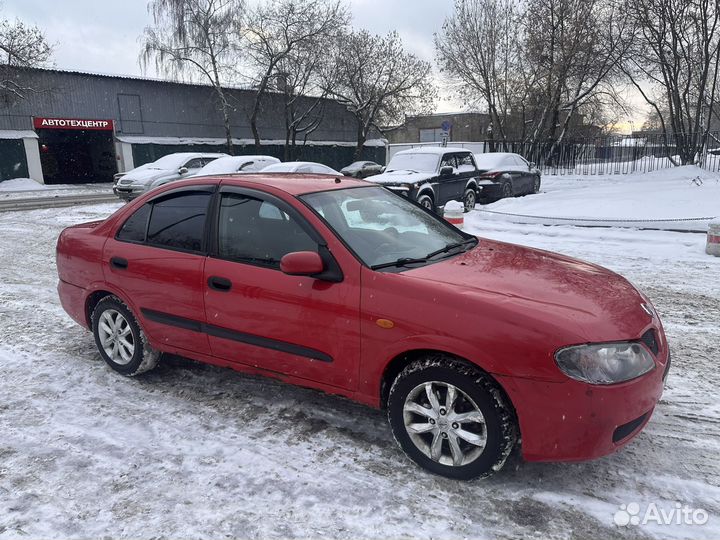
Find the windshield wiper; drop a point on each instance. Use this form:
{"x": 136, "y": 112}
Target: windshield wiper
{"x": 402, "y": 261}
{"x": 450, "y": 247}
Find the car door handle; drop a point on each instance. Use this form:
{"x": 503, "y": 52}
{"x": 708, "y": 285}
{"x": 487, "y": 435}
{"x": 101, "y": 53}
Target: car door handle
{"x": 219, "y": 283}
{"x": 119, "y": 263}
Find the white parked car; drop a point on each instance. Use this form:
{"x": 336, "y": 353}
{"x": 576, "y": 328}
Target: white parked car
{"x": 166, "y": 169}
{"x": 236, "y": 164}
{"x": 301, "y": 167}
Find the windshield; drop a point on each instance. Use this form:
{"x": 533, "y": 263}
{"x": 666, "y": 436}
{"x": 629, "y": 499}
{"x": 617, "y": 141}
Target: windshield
{"x": 414, "y": 162}
{"x": 381, "y": 227}
{"x": 169, "y": 162}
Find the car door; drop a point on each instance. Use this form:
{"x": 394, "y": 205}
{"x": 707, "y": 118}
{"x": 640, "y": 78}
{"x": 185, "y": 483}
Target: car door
{"x": 156, "y": 260}
{"x": 528, "y": 179}
{"x": 449, "y": 185}
{"x": 467, "y": 170}
{"x": 298, "y": 326}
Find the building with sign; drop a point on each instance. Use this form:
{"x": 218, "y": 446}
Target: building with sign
{"x": 72, "y": 127}
{"x": 439, "y": 128}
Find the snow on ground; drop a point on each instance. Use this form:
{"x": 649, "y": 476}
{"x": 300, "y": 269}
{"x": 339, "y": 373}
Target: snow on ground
{"x": 657, "y": 199}
{"x": 21, "y": 184}
{"x": 195, "y": 451}
{"x": 23, "y": 188}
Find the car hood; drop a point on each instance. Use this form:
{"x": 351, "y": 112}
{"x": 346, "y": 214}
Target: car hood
{"x": 144, "y": 176}
{"x": 595, "y": 303}
{"x": 401, "y": 177}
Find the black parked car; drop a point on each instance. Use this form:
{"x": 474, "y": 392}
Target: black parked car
{"x": 362, "y": 169}
{"x": 433, "y": 176}
{"x": 503, "y": 174}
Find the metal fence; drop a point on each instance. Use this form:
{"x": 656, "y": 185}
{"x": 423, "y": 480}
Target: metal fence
{"x": 593, "y": 155}
{"x": 608, "y": 155}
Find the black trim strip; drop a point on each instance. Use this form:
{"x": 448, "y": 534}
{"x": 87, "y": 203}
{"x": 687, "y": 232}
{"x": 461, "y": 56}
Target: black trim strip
{"x": 224, "y": 333}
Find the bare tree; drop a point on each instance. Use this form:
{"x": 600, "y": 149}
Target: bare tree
{"x": 198, "y": 38}
{"x": 276, "y": 30}
{"x": 479, "y": 49}
{"x": 20, "y": 46}
{"x": 299, "y": 79}
{"x": 379, "y": 82}
{"x": 576, "y": 47}
{"x": 674, "y": 65}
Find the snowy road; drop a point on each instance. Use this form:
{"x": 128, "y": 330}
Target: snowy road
{"x": 196, "y": 452}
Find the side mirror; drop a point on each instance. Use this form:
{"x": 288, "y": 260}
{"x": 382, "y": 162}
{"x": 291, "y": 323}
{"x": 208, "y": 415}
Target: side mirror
{"x": 382, "y": 169}
{"x": 532, "y": 164}
{"x": 183, "y": 170}
{"x": 447, "y": 170}
{"x": 302, "y": 263}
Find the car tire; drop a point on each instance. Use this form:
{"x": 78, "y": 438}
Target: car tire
{"x": 427, "y": 202}
{"x": 489, "y": 421}
{"x": 507, "y": 190}
{"x": 536, "y": 185}
{"x": 469, "y": 199}
{"x": 119, "y": 338}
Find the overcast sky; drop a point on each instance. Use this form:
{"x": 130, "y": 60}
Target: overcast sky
{"x": 103, "y": 35}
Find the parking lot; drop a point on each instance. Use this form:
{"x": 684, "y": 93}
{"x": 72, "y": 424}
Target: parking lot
{"x": 196, "y": 451}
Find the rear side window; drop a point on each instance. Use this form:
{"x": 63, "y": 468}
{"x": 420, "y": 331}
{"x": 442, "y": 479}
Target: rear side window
{"x": 133, "y": 230}
{"x": 178, "y": 222}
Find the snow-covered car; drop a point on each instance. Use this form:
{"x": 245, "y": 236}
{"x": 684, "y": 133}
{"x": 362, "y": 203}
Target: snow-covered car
{"x": 362, "y": 169}
{"x": 164, "y": 170}
{"x": 301, "y": 167}
{"x": 236, "y": 164}
{"x": 504, "y": 174}
{"x": 432, "y": 176}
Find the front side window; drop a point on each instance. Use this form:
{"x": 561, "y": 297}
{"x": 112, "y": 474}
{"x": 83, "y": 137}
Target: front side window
{"x": 258, "y": 232}
{"x": 196, "y": 163}
{"x": 448, "y": 161}
{"x": 381, "y": 227}
{"x": 178, "y": 221}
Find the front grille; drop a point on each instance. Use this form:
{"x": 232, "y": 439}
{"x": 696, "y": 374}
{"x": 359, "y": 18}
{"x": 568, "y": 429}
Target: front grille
{"x": 649, "y": 338}
{"x": 621, "y": 432}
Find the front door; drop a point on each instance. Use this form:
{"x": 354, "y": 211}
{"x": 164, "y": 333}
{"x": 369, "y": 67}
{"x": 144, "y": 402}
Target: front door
{"x": 449, "y": 185}
{"x": 257, "y": 315}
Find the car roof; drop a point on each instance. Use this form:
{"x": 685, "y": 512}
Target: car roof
{"x": 435, "y": 150}
{"x": 291, "y": 183}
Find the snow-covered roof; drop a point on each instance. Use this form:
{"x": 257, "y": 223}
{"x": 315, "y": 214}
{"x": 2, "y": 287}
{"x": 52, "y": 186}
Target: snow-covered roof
{"x": 17, "y": 134}
{"x": 434, "y": 150}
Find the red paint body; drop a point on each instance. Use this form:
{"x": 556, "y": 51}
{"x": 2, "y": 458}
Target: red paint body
{"x": 505, "y": 308}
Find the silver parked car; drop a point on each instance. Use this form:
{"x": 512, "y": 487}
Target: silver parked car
{"x": 164, "y": 170}
{"x": 236, "y": 164}
{"x": 301, "y": 167}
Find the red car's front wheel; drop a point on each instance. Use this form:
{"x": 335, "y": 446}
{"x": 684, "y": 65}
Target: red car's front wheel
{"x": 450, "y": 418}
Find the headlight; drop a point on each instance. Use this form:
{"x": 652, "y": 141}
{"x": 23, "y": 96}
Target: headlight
{"x": 605, "y": 363}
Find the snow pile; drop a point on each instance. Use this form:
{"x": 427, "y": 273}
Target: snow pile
{"x": 683, "y": 198}
{"x": 21, "y": 184}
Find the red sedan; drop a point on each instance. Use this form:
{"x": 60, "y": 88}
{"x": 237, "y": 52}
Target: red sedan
{"x": 470, "y": 344}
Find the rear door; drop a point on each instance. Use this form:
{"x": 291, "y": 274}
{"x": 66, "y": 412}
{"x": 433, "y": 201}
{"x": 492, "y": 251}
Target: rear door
{"x": 157, "y": 258}
{"x": 258, "y": 316}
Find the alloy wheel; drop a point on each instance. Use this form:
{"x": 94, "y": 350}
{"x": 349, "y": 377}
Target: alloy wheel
{"x": 116, "y": 337}
{"x": 444, "y": 423}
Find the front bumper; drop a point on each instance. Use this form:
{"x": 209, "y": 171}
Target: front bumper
{"x": 576, "y": 421}
{"x": 127, "y": 193}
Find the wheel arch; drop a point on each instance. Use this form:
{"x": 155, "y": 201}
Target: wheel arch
{"x": 395, "y": 365}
